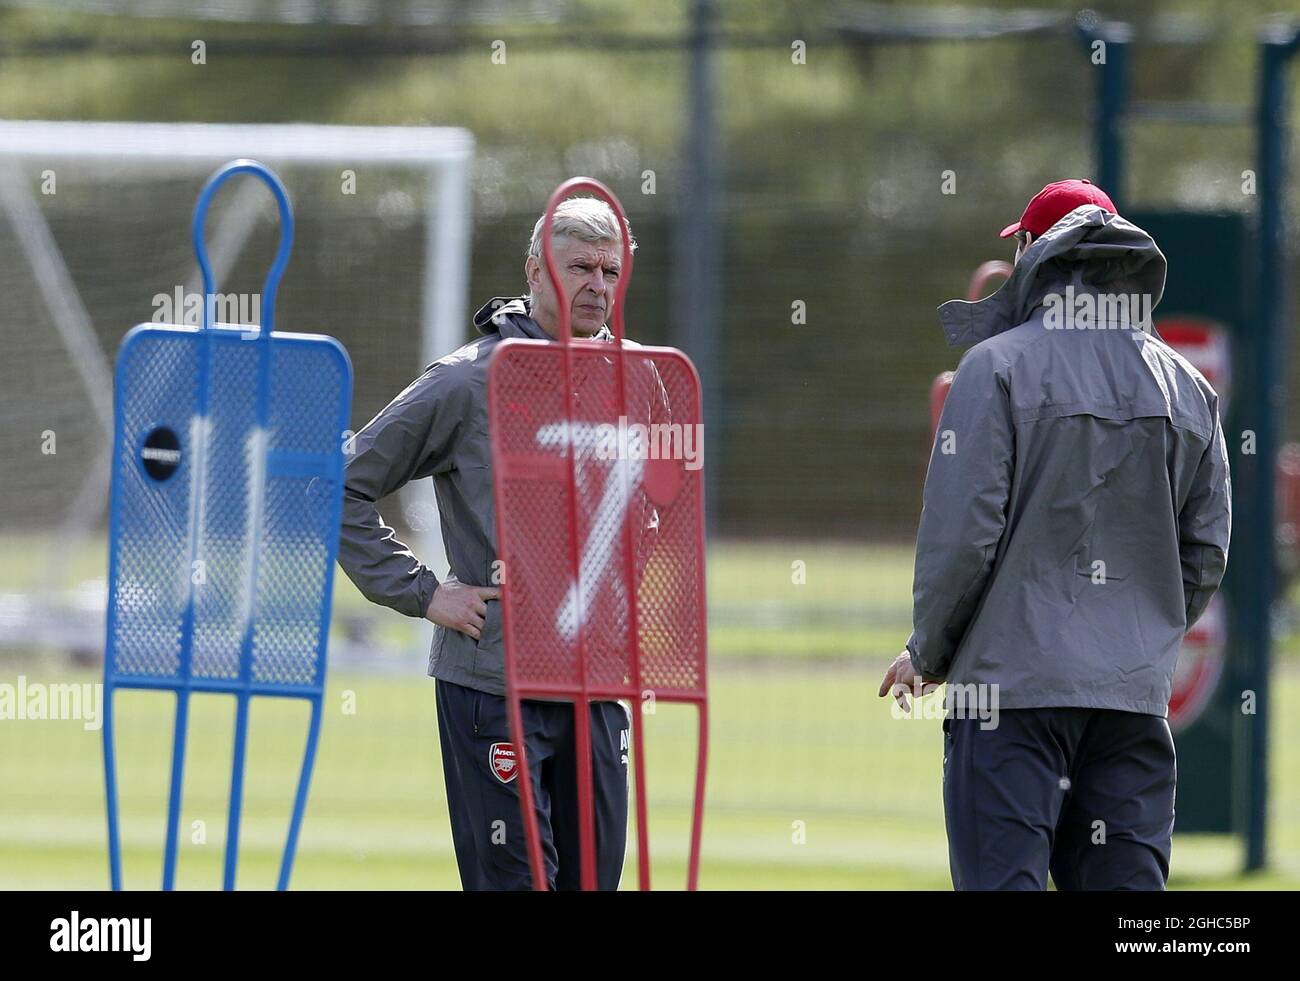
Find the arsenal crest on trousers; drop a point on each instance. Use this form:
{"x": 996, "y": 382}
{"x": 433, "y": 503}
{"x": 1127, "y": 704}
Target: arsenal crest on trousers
{"x": 502, "y": 760}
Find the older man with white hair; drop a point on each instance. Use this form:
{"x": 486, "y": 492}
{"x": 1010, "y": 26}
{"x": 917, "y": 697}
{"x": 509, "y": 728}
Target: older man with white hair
{"x": 438, "y": 427}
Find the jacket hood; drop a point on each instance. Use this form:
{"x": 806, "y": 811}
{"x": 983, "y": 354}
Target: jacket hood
{"x": 511, "y": 316}
{"x": 1089, "y": 248}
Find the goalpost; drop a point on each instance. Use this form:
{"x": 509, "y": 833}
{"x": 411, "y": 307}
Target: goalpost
{"x": 92, "y": 220}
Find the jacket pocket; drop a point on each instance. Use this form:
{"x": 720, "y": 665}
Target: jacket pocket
{"x": 490, "y": 636}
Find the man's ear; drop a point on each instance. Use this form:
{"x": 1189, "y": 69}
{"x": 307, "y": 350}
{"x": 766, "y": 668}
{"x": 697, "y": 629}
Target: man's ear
{"x": 533, "y": 272}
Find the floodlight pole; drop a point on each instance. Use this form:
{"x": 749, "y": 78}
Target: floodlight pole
{"x": 697, "y": 270}
{"x": 1266, "y": 400}
{"x": 1107, "y": 44}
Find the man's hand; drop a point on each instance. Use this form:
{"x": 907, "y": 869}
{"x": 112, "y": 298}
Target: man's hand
{"x": 902, "y": 678}
{"x": 461, "y": 607}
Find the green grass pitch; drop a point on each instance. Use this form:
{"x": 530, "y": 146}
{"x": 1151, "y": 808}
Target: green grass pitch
{"x": 812, "y": 783}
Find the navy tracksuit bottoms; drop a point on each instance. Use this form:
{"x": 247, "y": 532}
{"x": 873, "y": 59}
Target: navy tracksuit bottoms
{"x": 480, "y": 766}
{"x": 1086, "y": 793}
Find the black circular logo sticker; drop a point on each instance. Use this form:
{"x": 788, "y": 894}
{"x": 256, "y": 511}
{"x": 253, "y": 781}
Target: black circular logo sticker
{"x": 161, "y": 453}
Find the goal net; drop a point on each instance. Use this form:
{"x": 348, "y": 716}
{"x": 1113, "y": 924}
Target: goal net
{"x": 94, "y": 231}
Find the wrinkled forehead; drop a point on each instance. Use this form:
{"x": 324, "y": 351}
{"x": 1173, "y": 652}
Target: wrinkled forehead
{"x": 567, "y": 248}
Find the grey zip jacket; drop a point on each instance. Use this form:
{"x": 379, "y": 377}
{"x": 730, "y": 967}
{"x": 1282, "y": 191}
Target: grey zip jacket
{"x": 1077, "y": 506}
{"x": 437, "y": 427}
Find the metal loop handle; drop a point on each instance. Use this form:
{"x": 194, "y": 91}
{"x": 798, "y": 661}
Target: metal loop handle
{"x": 244, "y": 166}
{"x": 565, "y": 191}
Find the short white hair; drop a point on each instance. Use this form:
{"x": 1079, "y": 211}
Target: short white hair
{"x": 587, "y": 219}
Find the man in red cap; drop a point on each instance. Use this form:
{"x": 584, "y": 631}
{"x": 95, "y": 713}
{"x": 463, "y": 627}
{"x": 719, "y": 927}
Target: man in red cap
{"x": 1076, "y": 520}
{"x": 1050, "y": 205}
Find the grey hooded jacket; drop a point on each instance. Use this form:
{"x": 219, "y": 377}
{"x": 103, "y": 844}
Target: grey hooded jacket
{"x": 437, "y": 427}
{"x": 1077, "y": 506}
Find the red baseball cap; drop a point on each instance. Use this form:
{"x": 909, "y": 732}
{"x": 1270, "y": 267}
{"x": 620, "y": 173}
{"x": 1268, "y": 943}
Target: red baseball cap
{"x": 1054, "y": 202}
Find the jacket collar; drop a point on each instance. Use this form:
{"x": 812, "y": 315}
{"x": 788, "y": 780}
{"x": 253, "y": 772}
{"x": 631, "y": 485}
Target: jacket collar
{"x": 1089, "y": 248}
{"x": 512, "y": 317}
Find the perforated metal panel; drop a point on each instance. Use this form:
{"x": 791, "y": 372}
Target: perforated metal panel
{"x": 636, "y": 473}
{"x": 226, "y": 499}
{"x": 225, "y": 531}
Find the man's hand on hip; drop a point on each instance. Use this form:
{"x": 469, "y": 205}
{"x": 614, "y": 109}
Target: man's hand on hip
{"x": 902, "y": 677}
{"x": 457, "y": 606}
